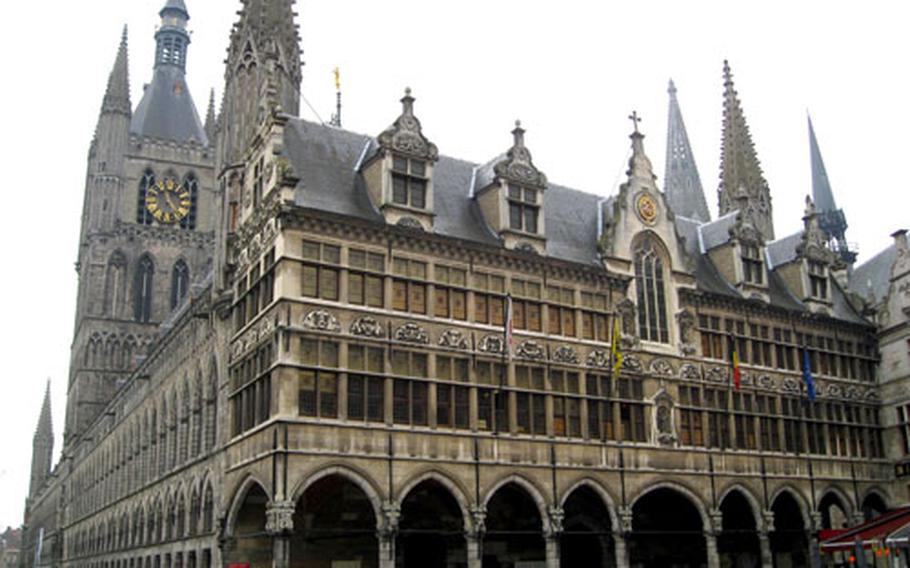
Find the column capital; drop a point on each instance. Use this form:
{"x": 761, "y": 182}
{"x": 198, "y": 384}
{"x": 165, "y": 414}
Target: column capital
{"x": 815, "y": 519}
{"x": 768, "y": 518}
{"x": 716, "y": 520}
{"x": 391, "y": 514}
{"x": 625, "y": 521}
{"x": 555, "y": 525}
{"x": 279, "y": 517}
{"x": 479, "y": 518}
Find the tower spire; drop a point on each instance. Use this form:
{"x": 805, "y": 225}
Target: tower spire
{"x": 117, "y": 95}
{"x": 210, "y": 118}
{"x": 42, "y": 444}
{"x": 831, "y": 219}
{"x": 742, "y": 183}
{"x": 263, "y": 65}
{"x": 682, "y": 184}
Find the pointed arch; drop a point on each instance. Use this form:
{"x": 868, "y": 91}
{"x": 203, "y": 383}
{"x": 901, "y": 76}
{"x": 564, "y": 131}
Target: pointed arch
{"x": 457, "y": 491}
{"x": 249, "y": 483}
{"x": 800, "y": 499}
{"x": 360, "y": 479}
{"x": 533, "y": 490}
{"x": 146, "y": 182}
{"x": 115, "y": 284}
{"x": 143, "y": 289}
{"x": 180, "y": 283}
{"x": 682, "y": 489}
{"x": 754, "y": 504}
{"x": 651, "y": 262}
{"x": 191, "y": 184}
{"x": 599, "y": 489}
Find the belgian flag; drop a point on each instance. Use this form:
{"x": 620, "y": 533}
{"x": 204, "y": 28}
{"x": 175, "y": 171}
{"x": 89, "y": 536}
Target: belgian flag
{"x": 734, "y": 362}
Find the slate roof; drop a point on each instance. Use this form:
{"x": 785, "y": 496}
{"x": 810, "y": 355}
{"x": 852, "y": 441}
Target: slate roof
{"x": 167, "y": 111}
{"x": 873, "y": 277}
{"x": 326, "y": 159}
{"x": 783, "y": 250}
{"x": 717, "y": 232}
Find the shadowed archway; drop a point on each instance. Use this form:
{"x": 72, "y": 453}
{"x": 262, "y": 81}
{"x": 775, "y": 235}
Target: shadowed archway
{"x": 789, "y": 543}
{"x": 738, "y": 544}
{"x": 250, "y": 543}
{"x": 431, "y": 529}
{"x": 667, "y": 530}
{"x": 514, "y": 529}
{"x": 587, "y": 539}
{"x": 334, "y": 523}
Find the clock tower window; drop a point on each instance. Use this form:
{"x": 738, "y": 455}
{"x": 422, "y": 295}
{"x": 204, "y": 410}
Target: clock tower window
{"x": 143, "y": 290}
{"x": 191, "y": 185}
{"x": 143, "y": 215}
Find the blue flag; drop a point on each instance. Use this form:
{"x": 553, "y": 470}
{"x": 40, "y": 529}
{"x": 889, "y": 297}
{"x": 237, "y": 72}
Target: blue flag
{"x": 807, "y": 376}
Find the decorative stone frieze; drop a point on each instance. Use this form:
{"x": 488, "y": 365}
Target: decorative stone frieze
{"x": 367, "y": 326}
{"x": 531, "y": 350}
{"x": 412, "y": 333}
{"x": 564, "y": 354}
{"x": 453, "y": 339}
{"x": 321, "y": 320}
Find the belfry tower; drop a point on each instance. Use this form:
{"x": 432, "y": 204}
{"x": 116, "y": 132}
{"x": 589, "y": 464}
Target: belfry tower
{"x": 147, "y": 221}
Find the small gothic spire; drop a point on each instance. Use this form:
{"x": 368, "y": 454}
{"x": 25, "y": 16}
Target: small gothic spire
{"x": 639, "y": 163}
{"x": 210, "y": 120}
{"x": 742, "y": 182}
{"x": 45, "y": 427}
{"x": 117, "y": 95}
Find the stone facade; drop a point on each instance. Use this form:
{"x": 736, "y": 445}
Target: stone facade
{"x": 338, "y": 389}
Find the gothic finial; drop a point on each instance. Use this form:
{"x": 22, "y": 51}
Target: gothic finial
{"x": 518, "y": 135}
{"x": 210, "y": 119}
{"x": 639, "y": 163}
{"x": 672, "y": 88}
{"x": 407, "y": 102}
{"x": 810, "y": 207}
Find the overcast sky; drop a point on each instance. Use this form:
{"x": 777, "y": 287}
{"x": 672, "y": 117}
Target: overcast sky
{"x": 572, "y": 71}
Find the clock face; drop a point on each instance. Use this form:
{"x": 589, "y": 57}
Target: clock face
{"x": 168, "y": 201}
{"x": 647, "y": 208}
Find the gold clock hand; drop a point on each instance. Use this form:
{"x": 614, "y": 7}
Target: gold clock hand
{"x": 167, "y": 197}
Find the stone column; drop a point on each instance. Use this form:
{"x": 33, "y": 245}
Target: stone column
{"x": 711, "y": 545}
{"x": 815, "y": 560}
{"x": 552, "y": 534}
{"x": 391, "y": 513}
{"x": 764, "y": 539}
{"x": 712, "y": 531}
{"x": 474, "y": 536}
{"x": 621, "y": 537}
{"x": 279, "y": 524}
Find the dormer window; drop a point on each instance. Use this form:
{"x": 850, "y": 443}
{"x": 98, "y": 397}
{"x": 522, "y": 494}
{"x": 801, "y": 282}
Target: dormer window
{"x": 409, "y": 182}
{"x": 523, "y": 209}
{"x": 818, "y": 280}
{"x": 753, "y": 267}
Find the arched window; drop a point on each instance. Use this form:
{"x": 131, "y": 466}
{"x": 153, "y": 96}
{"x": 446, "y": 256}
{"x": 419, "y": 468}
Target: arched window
{"x": 649, "y": 281}
{"x": 180, "y": 283}
{"x": 192, "y": 186}
{"x": 114, "y": 283}
{"x": 142, "y": 305}
{"x": 143, "y": 216}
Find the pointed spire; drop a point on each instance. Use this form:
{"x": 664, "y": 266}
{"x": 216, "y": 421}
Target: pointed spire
{"x": 821, "y": 187}
{"x": 831, "y": 219}
{"x": 45, "y": 427}
{"x": 639, "y": 164}
{"x": 210, "y": 119}
{"x": 682, "y": 184}
{"x": 117, "y": 96}
{"x": 742, "y": 183}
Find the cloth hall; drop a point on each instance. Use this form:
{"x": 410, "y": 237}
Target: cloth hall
{"x": 300, "y": 346}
